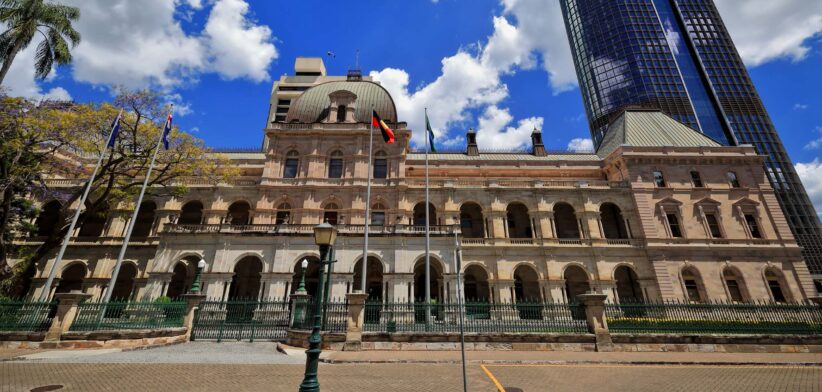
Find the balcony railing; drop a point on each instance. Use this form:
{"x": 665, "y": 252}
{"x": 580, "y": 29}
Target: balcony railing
{"x": 514, "y": 183}
{"x": 345, "y": 229}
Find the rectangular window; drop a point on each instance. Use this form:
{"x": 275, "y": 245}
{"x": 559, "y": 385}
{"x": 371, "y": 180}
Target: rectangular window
{"x": 659, "y": 180}
{"x": 673, "y": 224}
{"x": 380, "y": 168}
{"x": 776, "y": 290}
{"x": 335, "y": 168}
{"x": 291, "y": 168}
{"x": 713, "y": 225}
{"x": 696, "y": 179}
{"x": 378, "y": 218}
{"x": 282, "y": 217}
{"x": 733, "y": 179}
{"x": 753, "y": 226}
{"x": 733, "y": 290}
{"x": 692, "y": 290}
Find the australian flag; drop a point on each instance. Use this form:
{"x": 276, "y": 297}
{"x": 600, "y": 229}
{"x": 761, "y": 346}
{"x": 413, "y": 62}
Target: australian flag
{"x": 115, "y": 130}
{"x": 166, "y": 131}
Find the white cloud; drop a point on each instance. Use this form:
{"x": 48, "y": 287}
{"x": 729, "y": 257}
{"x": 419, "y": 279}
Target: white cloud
{"x": 816, "y": 143}
{"x": 811, "y": 175}
{"x": 181, "y": 108}
{"x": 238, "y": 48}
{"x": 764, "y": 30}
{"x": 581, "y": 145}
{"x": 20, "y": 79}
{"x": 800, "y": 106}
{"x": 495, "y": 134}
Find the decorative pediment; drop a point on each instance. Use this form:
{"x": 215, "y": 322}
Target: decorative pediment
{"x": 669, "y": 201}
{"x": 708, "y": 201}
{"x": 746, "y": 202}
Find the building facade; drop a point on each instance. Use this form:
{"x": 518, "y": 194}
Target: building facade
{"x": 658, "y": 212}
{"x": 677, "y": 56}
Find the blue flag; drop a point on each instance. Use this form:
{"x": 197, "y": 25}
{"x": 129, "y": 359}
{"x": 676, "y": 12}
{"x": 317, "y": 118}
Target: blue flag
{"x": 430, "y": 134}
{"x": 166, "y": 131}
{"x": 115, "y": 130}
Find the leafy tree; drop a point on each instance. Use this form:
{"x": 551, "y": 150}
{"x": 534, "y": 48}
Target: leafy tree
{"x": 81, "y": 132}
{"x": 25, "y": 20}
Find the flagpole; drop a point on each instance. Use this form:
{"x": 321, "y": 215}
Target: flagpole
{"x": 47, "y": 288}
{"x": 460, "y": 306}
{"x": 427, "y": 236}
{"x": 131, "y": 222}
{"x": 367, "y": 201}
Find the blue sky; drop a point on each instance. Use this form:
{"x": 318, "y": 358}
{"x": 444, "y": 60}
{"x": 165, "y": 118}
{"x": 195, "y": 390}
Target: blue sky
{"x": 499, "y": 66}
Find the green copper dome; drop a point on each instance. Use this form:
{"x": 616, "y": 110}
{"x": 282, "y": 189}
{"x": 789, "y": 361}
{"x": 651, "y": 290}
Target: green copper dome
{"x": 313, "y": 105}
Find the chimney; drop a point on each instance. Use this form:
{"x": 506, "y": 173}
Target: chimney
{"x": 471, "y": 137}
{"x": 536, "y": 140}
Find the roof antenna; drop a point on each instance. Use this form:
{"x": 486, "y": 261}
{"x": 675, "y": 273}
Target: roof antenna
{"x": 355, "y": 74}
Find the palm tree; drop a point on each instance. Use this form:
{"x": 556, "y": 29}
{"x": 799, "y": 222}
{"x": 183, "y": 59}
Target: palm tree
{"x": 24, "y": 19}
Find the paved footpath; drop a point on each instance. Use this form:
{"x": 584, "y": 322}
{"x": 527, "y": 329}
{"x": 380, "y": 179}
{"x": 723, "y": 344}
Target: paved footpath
{"x": 205, "y": 366}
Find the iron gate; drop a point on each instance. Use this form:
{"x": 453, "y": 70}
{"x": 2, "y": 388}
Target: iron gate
{"x": 241, "y": 320}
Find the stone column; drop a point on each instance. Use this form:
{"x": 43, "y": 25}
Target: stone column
{"x": 192, "y": 305}
{"x": 353, "y": 334}
{"x": 595, "y": 315}
{"x": 66, "y": 312}
{"x": 556, "y": 290}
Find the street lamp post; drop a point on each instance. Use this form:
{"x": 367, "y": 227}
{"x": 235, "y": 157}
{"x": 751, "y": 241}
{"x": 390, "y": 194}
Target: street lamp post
{"x": 301, "y": 287}
{"x": 195, "y": 286}
{"x": 324, "y": 236}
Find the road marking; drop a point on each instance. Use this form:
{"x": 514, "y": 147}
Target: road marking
{"x": 669, "y": 366}
{"x": 493, "y": 379}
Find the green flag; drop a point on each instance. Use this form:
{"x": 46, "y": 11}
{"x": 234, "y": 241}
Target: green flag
{"x": 430, "y": 134}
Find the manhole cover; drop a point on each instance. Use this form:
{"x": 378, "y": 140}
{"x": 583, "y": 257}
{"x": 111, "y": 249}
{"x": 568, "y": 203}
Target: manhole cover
{"x": 513, "y": 389}
{"x": 46, "y": 388}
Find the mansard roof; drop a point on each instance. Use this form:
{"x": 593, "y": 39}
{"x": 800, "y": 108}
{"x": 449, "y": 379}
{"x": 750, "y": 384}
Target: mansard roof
{"x": 650, "y": 128}
{"x": 313, "y": 105}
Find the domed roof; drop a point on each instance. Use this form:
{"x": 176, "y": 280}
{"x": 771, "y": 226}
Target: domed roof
{"x": 312, "y": 106}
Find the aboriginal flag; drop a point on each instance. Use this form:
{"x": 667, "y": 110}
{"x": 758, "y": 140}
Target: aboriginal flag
{"x": 387, "y": 133}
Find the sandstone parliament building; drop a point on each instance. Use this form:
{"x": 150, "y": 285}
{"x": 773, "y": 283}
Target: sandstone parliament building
{"x": 658, "y": 212}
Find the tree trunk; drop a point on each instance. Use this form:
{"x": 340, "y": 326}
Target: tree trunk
{"x": 5, "y": 213}
{"x": 9, "y": 60}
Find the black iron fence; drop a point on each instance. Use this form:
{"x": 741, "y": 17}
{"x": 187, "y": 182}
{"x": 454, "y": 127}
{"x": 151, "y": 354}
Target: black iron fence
{"x": 19, "y": 315}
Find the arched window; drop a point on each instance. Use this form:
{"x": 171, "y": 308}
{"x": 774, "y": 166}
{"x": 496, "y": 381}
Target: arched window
{"x": 776, "y": 285}
{"x": 191, "y": 214}
{"x": 694, "y": 291}
{"x": 335, "y": 165}
{"x": 239, "y": 213}
{"x": 519, "y": 223}
{"x": 380, "y": 165}
{"x": 378, "y": 215}
{"x": 613, "y": 223}
{"x": 182, "y": 277}
{"x": 72, "y": 278}
{"x": 419, "y": 214}
{"x": 373, "y": 278}
{"x": 245, "y": 284}
{"x": 627, "y": 285}
{"x": 331, "y": 214}
{"x": 341, "y": 113}
{"x": 145, "y": 220}
{"x": 292, "y": 163}
{"x": 126, "y": 279}
{"x": 476, "y": 284}
{"x": 283, "y": 214}
{"x": 48, "y": 218}
{"x": 526, "y": 284}
{"x": 734, "y": 284}
{"x": 472, "y": 223}
{"x": 312, "y": 276}
{"x": 576, "y": 282}
{"x": 95, "y": 223}
{"x": 565, "y": 220}
{"x": 419, "y": 283}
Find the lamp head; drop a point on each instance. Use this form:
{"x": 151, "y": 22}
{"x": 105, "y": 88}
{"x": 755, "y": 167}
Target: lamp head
{"x": 325, "y": 234}
{"x": 304, "y": 264}
{"x": 201, "y": 264}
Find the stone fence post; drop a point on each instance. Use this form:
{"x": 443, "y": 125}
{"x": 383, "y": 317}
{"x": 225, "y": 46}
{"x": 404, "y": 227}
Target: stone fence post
{"x": 192, "y": 305}
{"x": 356, "y": 317}
{"x": 595, "y": 315}
{"x": 67, "y": 304}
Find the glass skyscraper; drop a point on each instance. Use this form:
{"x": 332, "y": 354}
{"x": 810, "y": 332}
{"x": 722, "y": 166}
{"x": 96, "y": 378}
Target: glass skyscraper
{"x": 677, "y": 56}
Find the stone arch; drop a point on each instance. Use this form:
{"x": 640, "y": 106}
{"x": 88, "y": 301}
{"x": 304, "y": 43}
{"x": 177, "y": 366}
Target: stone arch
{"x": 191, "y": 213}
{"x": 692, "y": 284}
{"x": 126, "y": 282}
{"x": 145, "y": 219}
{"x": 239, "y": 213}
{"x": 518, "y": 220}
{"x": 475, "y": 283}
{"x": 72, "y": 277}
{"x": 419, "y": 214}
{"x": 375, "y": 269}
{"x": 577, "y": 281}
{"x": 95, "y": 222}
{"x": 436, "y": 279}
{"x": 627, "y": 284}
{"x": 182, "y": 275}
{"x": 613, "y": 222}
{"x": 48, "y": 219}
{"x": 736, "y": 288}
{"x": 565, "y": 219}
{"x": 472, "y": 222}
{"x": 246, "y": 282}
{"x": 777, "y": 284}
{"x": 312, "y": 274}
{"x": 526, "y": 284}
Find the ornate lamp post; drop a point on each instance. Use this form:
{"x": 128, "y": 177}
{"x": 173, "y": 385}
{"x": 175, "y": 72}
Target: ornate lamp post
{"x": 324, "y": 236}
{"x": 195, "y": 286}
{"x": 301, "y": 287}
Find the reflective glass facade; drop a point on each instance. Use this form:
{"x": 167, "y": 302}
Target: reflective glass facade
{"x": 677, "y": 56}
